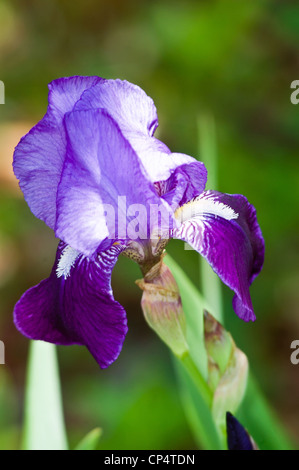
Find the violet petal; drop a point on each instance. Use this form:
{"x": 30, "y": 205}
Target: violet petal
{"x": 77, "y": 307}
{"x": 223, "y": 228}
{"x": 93, "y": 182}
{"x": 39, "y": 157}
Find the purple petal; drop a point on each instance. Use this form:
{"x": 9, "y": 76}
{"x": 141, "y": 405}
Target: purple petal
{"x": 38, "y": 161}
{"x": 136, "y": 115}
{"x": 100, "y": 168}
{"x": 77, "y": 307}
{"x": 39, "y": 157}
{"x": 237, "y": 436}
{"x": 126, "y": 103}
{"x": 157, "y": 160}
{"x": 65, "y": 92}
{"x": 224, "y": 229}
{"x": 184, "y": 184}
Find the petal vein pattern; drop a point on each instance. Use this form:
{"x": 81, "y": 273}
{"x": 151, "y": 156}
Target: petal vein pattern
{"x": 78, "y": 307}
{"x": 223, "y": 228}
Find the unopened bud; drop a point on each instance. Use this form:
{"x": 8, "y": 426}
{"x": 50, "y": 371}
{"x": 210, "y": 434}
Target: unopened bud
{"x": 162, "y": 307}
{"x": 219, "y": 345}
{"x": 228, "y": 370}
{"x": 238, "y": 437}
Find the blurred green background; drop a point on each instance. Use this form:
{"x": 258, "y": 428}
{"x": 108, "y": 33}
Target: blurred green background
{"x": 233, "y": 60}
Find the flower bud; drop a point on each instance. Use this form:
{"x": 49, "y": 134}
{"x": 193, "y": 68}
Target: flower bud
{"x": 162, "y": 307}
{"x": 237, "y": 436}
{"x": 228, "y": 370}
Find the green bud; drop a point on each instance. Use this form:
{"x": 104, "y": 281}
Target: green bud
{"x": 219, "y": 344}
{"x": 162, "y": 307}
{"x": 228, "y": 370}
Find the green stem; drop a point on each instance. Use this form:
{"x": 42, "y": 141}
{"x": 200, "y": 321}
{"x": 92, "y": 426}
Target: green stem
{"x": 198, "y": 379}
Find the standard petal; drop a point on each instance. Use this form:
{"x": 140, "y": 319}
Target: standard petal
{"x": 136, "y": 116}
{"x": 75, "y": 305}
{"x": 185, "y": 183}
{"x": 126, "y": 103}
{"x": 38, "y": 161}
{"x": 101, "y": 174}
{"x": 39, "y": 157}
{"x": 224, "y": 229}
{"x": 65, "y": 92}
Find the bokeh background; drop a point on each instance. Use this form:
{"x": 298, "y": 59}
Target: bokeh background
{"x": 232, "y": 60}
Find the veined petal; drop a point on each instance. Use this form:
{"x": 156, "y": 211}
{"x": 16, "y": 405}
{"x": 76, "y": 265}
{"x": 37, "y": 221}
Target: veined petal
{"x": 101, "y": 168}
{"x": 75, "y": 305}
{"x": 126, "y": 103}
{"x": 39, "y": 157}
{"x": 136, "y": 116}
{"x": 224, "y": 229}
{"x": 157, "y": 160}
{"x": 65, "y": 92}
{"x": 185, "y": 183}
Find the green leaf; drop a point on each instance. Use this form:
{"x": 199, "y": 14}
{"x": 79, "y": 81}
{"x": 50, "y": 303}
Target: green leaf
{"x": 44, "y": 425}
{"x": 207, "y": 148}
{"x": 91, "y": 440}
{"x": 197, "y": 412}
{"x": 260, "y": 421}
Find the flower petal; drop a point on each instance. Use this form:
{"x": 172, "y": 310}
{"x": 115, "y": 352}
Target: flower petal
{"x": 126, "y": 103}
{"x": 75, "y": 305}
{"x": 157, "y": 160}
{"x": 185, "y": 183}
{"x": 237, "y": 436}
{"x": 65, "y": 92}
{"x": 101, "y": 173}
{"x": 136, "y": 115}
{"x": 39, "y": 157}
{"x": 224, "y": 229}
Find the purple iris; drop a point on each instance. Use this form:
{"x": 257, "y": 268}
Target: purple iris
{"x": 92, "y": 170}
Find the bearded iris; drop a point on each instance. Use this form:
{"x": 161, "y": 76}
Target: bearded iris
{"x": 86, "y": 169}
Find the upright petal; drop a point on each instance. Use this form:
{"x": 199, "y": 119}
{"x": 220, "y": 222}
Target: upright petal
{"x": 136, "y": 116}
{"x": 126, "y": 103}
{"x": 100, "y": 168}
{"x": 39, "y": 157}
{"x": 65, "y": 92}
{"x": 185, "y": 183}
{"x": 75, "y": 305}
{"x": 224, "y": 229}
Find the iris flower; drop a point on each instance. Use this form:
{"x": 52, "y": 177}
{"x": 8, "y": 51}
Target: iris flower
{"x": 92, "y": 170}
